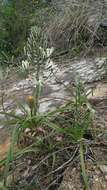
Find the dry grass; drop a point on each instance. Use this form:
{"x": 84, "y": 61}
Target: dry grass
{"x": 75, "y": 28}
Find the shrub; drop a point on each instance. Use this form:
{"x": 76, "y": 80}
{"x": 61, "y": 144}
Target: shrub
{"x": 14, "y": 26}
{"x": 72, "y": 30}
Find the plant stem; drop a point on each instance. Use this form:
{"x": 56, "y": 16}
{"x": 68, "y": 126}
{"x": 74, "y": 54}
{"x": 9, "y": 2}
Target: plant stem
{"x": 2, "y": 100}
{"x": 37, "y": 90}
{"x": 83, "y": 166}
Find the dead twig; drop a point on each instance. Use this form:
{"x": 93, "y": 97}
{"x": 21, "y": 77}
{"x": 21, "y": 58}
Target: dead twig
{"x": 65, "y": 164}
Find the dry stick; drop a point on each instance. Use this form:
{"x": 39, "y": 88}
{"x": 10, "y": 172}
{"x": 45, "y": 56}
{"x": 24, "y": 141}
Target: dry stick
{"x": 42, "y": 161}
{"x": 54, "y": 182}
{"x": 55, "y": 98}
{"x": 59, "y": 82}
{"x": 61, "y": 167}
{"x": 38, "y": 182}
{"x": 65, "y": 164}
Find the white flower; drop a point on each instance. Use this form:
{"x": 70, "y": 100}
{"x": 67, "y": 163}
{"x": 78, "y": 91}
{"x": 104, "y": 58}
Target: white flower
{"x": 40, "y": 82}
{"x": 50, "y": 51}
{"x": 43, "y": 52}
{"x": 25, "y": 64}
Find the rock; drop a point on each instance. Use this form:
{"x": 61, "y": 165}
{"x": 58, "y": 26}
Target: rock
{"x": 103, "y": 24}
{"x": 73, "y": 180}
{"x": 87, "y": 70}
{"x": 103, "y": 168}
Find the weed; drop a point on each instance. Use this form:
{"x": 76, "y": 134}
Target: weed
{"x": 72, "y": 31}
{"x": 49, "y": 131}
{"x": 46, "y": 133}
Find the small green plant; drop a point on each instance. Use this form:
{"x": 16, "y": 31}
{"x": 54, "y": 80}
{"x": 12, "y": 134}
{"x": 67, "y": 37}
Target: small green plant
{"x": 66, "y": 125}
{"x": 2, "y": 186}
{"x": 37, "y": 55}
{"x": 77, "y": 123}
{"x": 70, "y": 122}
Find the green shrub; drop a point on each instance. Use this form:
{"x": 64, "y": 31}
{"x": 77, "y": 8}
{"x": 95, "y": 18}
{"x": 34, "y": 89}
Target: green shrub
{"x": 14, "y": 26}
